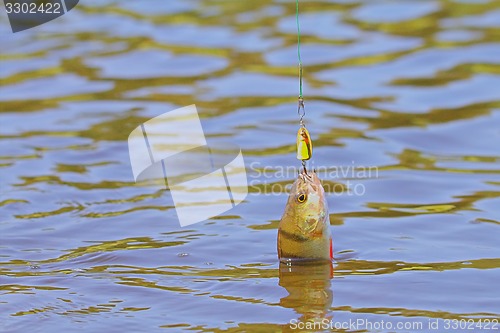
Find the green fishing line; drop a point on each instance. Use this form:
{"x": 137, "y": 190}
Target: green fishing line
{"x": 298, "y": 47}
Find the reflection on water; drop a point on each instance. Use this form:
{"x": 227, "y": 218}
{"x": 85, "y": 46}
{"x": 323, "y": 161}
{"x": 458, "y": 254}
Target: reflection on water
{"x": 309, "y": 290}
{"x": 405, "y": 88}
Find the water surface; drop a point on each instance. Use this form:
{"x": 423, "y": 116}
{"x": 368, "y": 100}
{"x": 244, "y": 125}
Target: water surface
{"x": 408, "y": 88}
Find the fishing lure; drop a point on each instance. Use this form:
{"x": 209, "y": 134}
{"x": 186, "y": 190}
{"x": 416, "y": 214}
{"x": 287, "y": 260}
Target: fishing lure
{"x": 304, "y": 144}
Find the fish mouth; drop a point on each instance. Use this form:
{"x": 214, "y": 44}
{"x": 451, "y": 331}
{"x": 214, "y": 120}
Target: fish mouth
{"x": 308, "y": 176}
{"x": 310, "y": 179}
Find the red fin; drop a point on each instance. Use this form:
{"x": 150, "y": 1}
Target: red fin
{"x": 331, "y": 248}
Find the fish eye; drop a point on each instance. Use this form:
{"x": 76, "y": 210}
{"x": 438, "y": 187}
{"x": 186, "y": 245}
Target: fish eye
{"x": 301, "y": 198}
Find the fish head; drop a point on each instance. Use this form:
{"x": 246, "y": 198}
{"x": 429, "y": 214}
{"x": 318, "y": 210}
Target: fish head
{"x": 307, "y": 204}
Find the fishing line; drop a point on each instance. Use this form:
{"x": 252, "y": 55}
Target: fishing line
{"x": 300, "y": 110}
{"x": 304, "y": 143}
{"x": 298, "y": 47}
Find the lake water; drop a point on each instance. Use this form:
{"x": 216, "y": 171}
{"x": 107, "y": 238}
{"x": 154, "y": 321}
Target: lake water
{"x": 408, "y": 90}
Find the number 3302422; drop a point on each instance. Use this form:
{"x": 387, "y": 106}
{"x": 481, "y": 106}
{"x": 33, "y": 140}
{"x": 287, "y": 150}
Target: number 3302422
{"x": 33, "y": 8}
